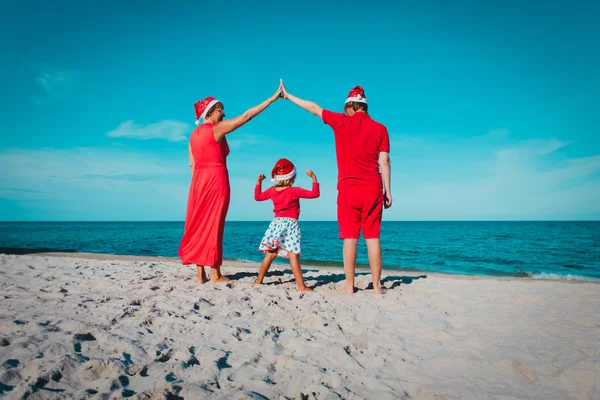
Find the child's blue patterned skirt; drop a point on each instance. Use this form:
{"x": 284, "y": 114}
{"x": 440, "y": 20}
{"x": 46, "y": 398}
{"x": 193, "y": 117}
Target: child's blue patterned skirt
{"x": 284, "y": 236}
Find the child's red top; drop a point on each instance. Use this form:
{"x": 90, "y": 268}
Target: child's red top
{"x": 286, "y": 202}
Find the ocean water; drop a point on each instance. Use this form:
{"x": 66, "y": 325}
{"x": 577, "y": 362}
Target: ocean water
{"x": 552, "y": 250}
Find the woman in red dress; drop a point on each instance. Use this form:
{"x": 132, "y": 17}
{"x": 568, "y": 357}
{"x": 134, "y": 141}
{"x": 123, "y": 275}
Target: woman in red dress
{"x": 208, "y": 201}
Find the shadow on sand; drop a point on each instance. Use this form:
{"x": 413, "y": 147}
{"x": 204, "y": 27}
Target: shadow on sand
{"x": 389, "y": 282}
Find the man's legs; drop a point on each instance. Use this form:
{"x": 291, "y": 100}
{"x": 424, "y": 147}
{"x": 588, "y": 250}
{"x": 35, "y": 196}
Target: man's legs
{"x": 371, "y": 227}
{"x": 348, "y": 214}
{"x": 374, "y": 252}
{"x": 350, "y": 263}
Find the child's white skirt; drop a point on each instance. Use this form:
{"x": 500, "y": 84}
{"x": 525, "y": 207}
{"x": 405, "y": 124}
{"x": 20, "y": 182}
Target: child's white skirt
{"x": 282, "y": 235}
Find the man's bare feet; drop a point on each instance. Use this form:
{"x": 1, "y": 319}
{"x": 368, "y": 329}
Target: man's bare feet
{"x": 305, "y": 289}
{"x": 348, "y": 290}
{"x": 379, "y": 290}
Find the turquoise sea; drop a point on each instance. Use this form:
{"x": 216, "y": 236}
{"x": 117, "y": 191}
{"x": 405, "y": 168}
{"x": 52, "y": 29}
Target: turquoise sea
{"x": 554, "y": 250}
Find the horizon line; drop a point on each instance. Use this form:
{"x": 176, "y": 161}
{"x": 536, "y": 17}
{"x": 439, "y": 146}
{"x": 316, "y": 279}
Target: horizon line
{"x": 268, "y": 220}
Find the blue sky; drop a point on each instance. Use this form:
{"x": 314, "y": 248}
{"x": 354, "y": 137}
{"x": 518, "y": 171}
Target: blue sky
{"x": 492, "y": 107}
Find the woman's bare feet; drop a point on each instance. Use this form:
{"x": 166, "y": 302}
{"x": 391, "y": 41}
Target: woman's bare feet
{"x": 216, "y": 276}
{"x": 220, "y": 279}
{"x": 201, "y": 275}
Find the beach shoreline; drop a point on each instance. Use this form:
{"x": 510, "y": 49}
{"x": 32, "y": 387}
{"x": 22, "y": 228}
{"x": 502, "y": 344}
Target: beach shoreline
{"x": 360, "y": 269}
{"x": 90, "y": 326}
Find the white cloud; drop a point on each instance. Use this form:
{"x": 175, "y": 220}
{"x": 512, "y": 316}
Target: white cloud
{"x": 173, "y": 131}
{"x": 521, "y": 181}
{"x": 436, "y": 181}
{"x": 531, "y": 149}
{"x": 94, "y": 183}
{"x": 50, "y": 82}
{"x": 241, "y": 141}
{"x": 55, "y": 84}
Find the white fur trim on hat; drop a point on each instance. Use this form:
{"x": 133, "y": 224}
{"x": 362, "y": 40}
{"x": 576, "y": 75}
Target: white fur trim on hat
{"x": 358, "y": 98}
{"x": 284, "y": 177}
{"x": 208, "y": 107}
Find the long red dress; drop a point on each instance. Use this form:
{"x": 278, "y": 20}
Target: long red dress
{"x": 208, "y": 200}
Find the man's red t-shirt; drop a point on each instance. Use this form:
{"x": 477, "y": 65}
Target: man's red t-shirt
{"x": 358, "y": 141}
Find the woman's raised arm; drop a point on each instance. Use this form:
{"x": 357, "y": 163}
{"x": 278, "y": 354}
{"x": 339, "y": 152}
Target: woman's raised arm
{"x": 225, "y": 127}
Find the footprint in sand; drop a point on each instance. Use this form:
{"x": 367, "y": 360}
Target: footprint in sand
{"x": 164, "y": 357}
{"x": 239, "y": 332}
{"x": 9, "y": 380}
{"x": 528, "y": 373}
{"x": 12, "y": 363}
{"x": 191, "y": 362}
{"x": 170, "y": 377}
{"x": 222, "y": 362}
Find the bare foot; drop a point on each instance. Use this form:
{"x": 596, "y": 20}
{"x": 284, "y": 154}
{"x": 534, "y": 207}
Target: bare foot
{"x": 305, "y": 289}
{"x": 257, "y": 282}
{"x": 201, "y": 276}
{"x": 380, "y": 290}
{"x": 220, "y": 279}
{"x": 348, "y": 290}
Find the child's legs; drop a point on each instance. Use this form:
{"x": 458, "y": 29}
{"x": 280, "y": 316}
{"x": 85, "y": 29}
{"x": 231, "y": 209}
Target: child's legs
{"x": 266, "y": 264}
{"x": 297, "y": 270}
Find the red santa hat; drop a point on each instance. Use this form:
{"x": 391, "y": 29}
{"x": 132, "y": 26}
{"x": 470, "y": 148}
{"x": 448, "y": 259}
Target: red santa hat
{"x": 283, "y": 169}
{"x": 357, "y": 94}
{"x": 201, "y": 107}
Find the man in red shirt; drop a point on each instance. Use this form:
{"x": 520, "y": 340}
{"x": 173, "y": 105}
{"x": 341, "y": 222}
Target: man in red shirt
{"x": 362, "y": 145}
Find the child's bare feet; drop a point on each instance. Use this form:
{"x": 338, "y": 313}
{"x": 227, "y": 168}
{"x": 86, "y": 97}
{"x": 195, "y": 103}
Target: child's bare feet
{"x": 258, "y": 282}
{"x": 305, "y": 289}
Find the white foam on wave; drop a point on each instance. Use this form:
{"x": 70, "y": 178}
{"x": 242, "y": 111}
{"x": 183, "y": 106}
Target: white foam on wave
{"x": 568, "y": 277}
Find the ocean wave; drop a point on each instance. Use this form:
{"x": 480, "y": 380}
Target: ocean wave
{"x": 568, "y": 277}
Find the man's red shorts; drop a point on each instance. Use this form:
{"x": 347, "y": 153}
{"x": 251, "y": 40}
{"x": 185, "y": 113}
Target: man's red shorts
{"x": 360, "y": 207}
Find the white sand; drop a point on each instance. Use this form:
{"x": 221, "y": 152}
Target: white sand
{"x": 158, "y": 334}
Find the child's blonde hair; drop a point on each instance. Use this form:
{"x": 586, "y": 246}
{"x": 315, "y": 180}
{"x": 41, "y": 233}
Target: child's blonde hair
{"x": 286, "y": 182}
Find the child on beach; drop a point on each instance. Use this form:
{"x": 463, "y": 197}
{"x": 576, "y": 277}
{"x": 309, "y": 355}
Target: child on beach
{"x": 283, "y": 236}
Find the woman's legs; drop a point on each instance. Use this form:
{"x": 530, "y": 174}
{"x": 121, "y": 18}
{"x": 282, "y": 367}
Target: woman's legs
{"x": 201, "y": 274}
{"x": 216, "y": 276}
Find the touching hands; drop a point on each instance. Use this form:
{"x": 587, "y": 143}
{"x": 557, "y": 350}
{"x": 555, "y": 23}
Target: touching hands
{"x": 284, "y": 92}
{"x": 279, "y": 92}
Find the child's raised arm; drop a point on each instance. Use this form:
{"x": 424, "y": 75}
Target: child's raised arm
{"x": 259, "y": 195}
{"x": 314, "y": 192}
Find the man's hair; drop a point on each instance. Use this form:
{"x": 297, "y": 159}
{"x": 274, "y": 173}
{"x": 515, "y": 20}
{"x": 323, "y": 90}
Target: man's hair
{"x": 285, "y": 183}
{"x": 356, "y": 105}
{"x": 218, "y": 106}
